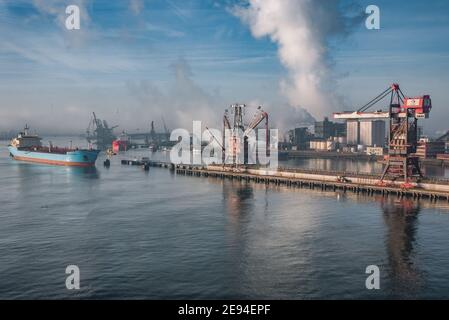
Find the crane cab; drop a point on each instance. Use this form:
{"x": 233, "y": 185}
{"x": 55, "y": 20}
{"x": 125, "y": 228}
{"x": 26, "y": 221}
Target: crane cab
{"x": 421, "y": 106}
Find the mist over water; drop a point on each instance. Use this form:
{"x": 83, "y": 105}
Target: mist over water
{"x": 158, "y": 235}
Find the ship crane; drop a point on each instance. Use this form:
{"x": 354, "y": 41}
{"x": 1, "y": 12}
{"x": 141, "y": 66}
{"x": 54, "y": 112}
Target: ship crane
{"x": 403, "y": 114}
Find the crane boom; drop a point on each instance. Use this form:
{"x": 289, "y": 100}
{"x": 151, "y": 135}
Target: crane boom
{"x": 215, "y": 138}
{"x": 361, "y": 115}
{"x": 258, "y": 118}
{"x": 226, "y": 122}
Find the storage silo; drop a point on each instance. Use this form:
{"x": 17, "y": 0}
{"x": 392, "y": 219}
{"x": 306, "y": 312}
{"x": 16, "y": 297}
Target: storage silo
{"x": 372, "y": 133}
{"x": 353, "y": 132}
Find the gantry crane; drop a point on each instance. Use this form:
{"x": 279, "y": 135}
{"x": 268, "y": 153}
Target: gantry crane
{"x": 403, "y": 114}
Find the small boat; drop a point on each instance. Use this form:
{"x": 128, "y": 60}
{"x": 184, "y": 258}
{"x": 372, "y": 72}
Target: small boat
{"x": 28, "y": 147}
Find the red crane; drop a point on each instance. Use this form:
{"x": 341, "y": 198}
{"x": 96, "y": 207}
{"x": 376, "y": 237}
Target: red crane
{"x": 403, "y": 114}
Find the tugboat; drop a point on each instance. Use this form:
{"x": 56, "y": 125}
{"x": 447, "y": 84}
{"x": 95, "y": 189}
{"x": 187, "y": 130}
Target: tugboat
{"x": 28, "y": 147}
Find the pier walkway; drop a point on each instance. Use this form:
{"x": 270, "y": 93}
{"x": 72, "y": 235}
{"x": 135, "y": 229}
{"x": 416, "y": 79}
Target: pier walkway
{"x": 432, "y": 189}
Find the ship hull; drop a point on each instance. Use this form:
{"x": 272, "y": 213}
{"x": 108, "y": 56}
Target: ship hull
{"x": 77, "y": 158}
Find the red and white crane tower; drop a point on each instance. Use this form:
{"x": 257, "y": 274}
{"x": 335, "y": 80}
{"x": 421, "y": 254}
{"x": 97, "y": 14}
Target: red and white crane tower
{"x": 403, "y": 114}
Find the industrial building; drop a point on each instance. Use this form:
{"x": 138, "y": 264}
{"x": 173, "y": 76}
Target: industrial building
{"x": 299, "y": 138}
{"x": 430, "y": 149}
{"x": 375, "y": 151}
{"x": 323, "y": 145}
{"x": 327, "y": 129}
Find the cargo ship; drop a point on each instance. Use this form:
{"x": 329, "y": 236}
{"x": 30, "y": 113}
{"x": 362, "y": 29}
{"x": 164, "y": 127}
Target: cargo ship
{"x": 28, "y": 147}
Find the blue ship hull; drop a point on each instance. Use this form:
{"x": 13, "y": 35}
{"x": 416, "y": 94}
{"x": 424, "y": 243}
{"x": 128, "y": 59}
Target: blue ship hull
{"x": 76, "y": 158}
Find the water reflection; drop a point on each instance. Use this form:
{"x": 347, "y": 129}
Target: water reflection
{"x": 356, "y": 165}
{"x": 31, "y": 175}
{"x": 350, "y": 165}
{"x": 239, "y": 202}
{"x": 31, "y": 170}
{"x": 436, "y": 171}
{"x": 88, "y": 172}
{"x": 401, "y": 219}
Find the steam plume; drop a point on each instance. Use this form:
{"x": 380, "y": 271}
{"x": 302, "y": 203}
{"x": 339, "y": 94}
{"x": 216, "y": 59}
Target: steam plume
{"x": 302, "y": 30}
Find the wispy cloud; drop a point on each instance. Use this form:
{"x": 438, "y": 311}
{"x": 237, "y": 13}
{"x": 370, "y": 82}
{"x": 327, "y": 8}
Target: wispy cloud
{"x": 57, "y": 56}
{"x": 166, "y": 31}
{"x": 182, "y": 14}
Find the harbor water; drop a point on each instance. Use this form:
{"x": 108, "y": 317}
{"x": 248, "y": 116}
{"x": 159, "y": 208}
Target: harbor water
{"x": 136, "y": 234}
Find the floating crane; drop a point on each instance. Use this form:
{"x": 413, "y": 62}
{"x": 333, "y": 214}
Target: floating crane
{"x": 403, "y": 114}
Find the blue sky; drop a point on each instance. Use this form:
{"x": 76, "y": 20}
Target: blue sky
{"x": 136, "y": 61}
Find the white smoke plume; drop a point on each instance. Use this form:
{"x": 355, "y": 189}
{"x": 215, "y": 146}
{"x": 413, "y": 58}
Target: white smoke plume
{"x": 302, "y": 30}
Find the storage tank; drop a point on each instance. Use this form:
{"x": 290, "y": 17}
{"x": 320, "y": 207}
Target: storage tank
{"x": 312, "y": 145}
{"x": 322, "y": 145}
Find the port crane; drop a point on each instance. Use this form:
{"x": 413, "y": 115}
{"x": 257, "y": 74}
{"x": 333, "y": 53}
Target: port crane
{"x": 99, "y": 133}
{"x": 403, "y": 114}
{"x": 165, "y": 126}
{"x": 238, "y": 110}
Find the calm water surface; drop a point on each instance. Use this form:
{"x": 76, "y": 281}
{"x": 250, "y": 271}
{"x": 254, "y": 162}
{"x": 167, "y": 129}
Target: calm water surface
{"x": 157, "y": 235}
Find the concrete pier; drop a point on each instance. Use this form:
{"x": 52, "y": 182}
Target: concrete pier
{"x": 432, "y": 189}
